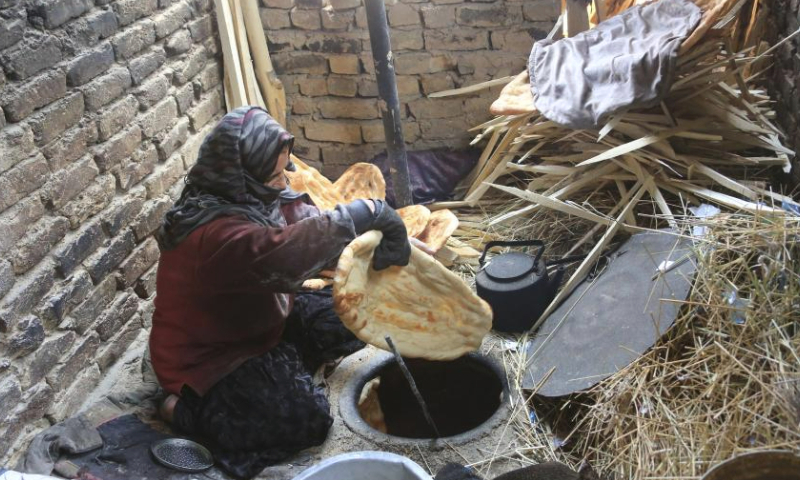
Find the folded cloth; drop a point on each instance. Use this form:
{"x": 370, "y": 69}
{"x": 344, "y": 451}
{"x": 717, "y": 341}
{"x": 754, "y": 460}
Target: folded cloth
{"x": 12, "y": 475}
{"x": 626, "y": 61}
{"x": 74, "y": 435}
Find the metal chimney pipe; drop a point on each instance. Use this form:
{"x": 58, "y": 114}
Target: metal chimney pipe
{"x": 389, "y": 102}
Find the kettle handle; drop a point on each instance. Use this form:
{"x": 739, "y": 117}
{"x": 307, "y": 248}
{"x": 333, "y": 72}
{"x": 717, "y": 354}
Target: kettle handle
{"x": 514, "y": 243}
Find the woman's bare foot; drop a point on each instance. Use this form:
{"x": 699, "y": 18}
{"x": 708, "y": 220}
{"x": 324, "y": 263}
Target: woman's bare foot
{"x": 167, "y": 407}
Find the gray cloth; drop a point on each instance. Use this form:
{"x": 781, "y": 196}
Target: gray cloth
{"x": 74, "y": 435}
{"x": 626, "y": 61}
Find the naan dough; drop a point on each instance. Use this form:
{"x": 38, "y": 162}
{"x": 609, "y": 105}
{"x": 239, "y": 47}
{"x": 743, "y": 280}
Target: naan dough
{"x": 428, "y": 311}
{"x": 415, "y": 217}
{"x": 361, "y": 180}
{"x": 441, "y": 225}
{"x": 515, "y": 98}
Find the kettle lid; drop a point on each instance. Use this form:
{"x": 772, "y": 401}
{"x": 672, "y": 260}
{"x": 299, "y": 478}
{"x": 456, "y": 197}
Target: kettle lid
{"x": 510, "y": 266}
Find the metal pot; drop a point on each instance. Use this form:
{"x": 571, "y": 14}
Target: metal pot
{"x": 516, "y": 285}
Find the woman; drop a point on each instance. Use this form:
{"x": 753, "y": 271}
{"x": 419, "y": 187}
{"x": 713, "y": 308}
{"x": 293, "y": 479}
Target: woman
{"x": 234, "y": 249}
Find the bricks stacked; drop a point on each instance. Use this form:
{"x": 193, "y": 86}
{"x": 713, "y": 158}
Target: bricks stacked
{"x": 103, "y": 105}
{"x": 321, "y": 52}
{"x": 785, "y": 84}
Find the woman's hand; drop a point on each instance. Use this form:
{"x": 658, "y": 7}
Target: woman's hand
{"x": 421, "y": 245}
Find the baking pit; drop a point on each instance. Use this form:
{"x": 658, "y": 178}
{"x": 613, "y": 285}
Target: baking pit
{"x": 467, "y": 398}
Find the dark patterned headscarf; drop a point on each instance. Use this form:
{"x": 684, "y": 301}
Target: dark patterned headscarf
{"x": 234, "y": 161}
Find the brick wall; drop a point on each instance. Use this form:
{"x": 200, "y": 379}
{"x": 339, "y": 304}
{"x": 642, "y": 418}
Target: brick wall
{"x": 786, "y": 75}
{"x": 321, "y": 52}
{"x": 102, "y": 107}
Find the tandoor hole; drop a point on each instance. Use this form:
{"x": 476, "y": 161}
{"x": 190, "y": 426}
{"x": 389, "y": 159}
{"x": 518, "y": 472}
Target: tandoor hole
{"x": 461, "y": 395}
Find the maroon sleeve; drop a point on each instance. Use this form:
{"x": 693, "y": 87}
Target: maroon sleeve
{"x": 238, "y": 255}
{"x": 298, "y": 210}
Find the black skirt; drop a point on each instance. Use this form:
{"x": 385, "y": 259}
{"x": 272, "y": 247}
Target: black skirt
{"x": 269, "y": 408}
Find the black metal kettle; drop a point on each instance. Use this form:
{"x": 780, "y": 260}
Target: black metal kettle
{"x": 516, "y": 286}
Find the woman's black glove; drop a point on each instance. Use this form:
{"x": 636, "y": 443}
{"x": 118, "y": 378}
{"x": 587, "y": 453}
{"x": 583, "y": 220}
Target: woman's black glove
{"x": 394, "y": 248}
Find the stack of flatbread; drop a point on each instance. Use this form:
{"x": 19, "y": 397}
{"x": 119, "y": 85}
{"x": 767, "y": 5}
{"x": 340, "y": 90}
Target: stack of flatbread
{"x": 428, "y": 311}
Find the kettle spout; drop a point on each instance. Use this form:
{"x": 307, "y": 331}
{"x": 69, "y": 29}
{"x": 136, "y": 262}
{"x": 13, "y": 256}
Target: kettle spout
{"x": 555, "y": 282}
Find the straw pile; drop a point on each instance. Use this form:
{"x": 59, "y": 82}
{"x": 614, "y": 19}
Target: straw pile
{"x": 725, "y": 379}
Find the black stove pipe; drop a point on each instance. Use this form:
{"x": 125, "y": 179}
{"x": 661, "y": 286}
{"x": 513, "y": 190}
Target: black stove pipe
{"x": 389, "y": 102}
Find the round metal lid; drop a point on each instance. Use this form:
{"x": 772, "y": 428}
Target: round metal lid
{"x": 510, "y": 266}
{"x": 181, "y": 454}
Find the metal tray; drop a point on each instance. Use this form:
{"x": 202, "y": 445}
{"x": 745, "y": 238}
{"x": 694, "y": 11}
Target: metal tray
{"x": 181, "y": 454}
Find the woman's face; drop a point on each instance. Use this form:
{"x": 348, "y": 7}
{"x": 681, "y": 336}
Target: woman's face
{"x": 278, "y": 178}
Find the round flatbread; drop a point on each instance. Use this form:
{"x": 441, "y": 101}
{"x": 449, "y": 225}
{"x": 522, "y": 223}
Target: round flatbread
{"x": 361, "y": 181}
{"x": 415, "y": 217}
{"x": 307, "y": 179}
{"x": 440, "y": 226}
{"x": 428, "y": 311}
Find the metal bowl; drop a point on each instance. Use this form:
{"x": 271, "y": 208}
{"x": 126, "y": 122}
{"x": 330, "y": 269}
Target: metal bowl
{"x": 766, "y": 465}
{"x": 181, "y": 454}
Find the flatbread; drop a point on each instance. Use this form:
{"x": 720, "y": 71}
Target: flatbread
{"x": 308, "y": 180}
{"x": 515, "y": 98}
{"x": 428, "y": 311}
{"x": 440, "y": 226}
{"x": 361, "y": 181}
{"x": 369, "y": 406}
{"x": 415, "y": 217}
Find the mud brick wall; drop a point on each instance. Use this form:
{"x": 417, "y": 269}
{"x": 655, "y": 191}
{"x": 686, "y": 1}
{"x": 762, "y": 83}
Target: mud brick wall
{"x": 786, "y": 75}
{"x": 321, "y": 52}
{"x": 102, "y": 107}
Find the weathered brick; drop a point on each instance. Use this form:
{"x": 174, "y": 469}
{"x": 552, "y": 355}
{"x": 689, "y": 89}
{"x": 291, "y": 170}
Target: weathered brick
{"x": 10, "y": 395}
{"x": 89, "y": 65}
{"x": 309, "y": 4}
{"x": 63, "y": 186}
{"x": 58, "y": 12}
{"x": 488, "y": 15}
{"x": 164, "y": 176}
{"x": 345, "y": 64}
{"x": 194, "y": 63}
{"x": 25, "y": 294}
{"x": 346, "y": 155}
{"x": 159, "y": 118}
{"x": 325, "y": 43}
{"x": 64, "y": 297}
{"x": 132, "y": 170}
{"x": 517, "y": 41}
{"x": 178, "y": 43}
{"x": 443, "y": 128}
{"x": 89, "y": 310}
{"x": 438, "y": 17}
{"x": 345, "y": 4}
{"x": 173, "y": 139}
{"x": 302, "y": 106}
{"x": 117, "y": 148}
{"x": 142, "y": 258}
{"x": 134, "y": 39}
{"x": 152, "y": 91}
{"x": 362, "y": 109}
{"x": 275, "y": 18}
{"x": 46, "y": 357}
{"x": 210, "y": 77}
{"x": 102, "y": 262}
{"x": 205, "y": 110}
{"x": 6, "y": 277}
{"x": 22, "y": 180}
{"x": 310, "y": 63}
{"x": 27, "y": 338}
{"x": 38, "y": 241}
{"x": 331, "y": 131}
{"x": 116, "y": 315}
{"x": 285, "y": 4}
{"x": 77, "y": 247}
{"x": 115, "y": 347}
{"x": 373, "y": 132}
{"x": 456, "y": 39}
{"x": 417, "y": 63}
{"x": 407, "y": 40}
{"x": 201, "y": 28}
{"x": 337, "y": 19}
{"x": 70, "y": 146}
{"x": 151, "y": 217}
{"x": 34, "y": 94}
{"x": 436, "y": 108}
{"x": 305, "y": 19}
{"x": 129, "y": 11}
{"x": 142, "y": 66}
{"x": 436, "y": 82}
{"x": 30, "y": 412}
{"x": 32, "y": 55}
{"x": 116, "y": 116}
{"x": 16, "y": 143}
{"x": 15, "y": 221}
{"x": 91, "y": 28}
{"x": 541, "y": 10}
{"x": 191, "y": 148}
{"x": 51, "y": 121}
{"x": 401, "y": 14}
{"x": 342, "y": 86}
{"x": 11, "y": 31}
{"x": 90, "y": 201}
{"x": 68, "y": 403}
{"x": 174, "y": 18}
{"x": 185, "y": 97}
{"x": 74, "y": 362}
{"x": 146, "y": 285}
{"x": 105, "y": 89}
{"x": 313, "y": 87}
{"x": 123, "y": 211}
